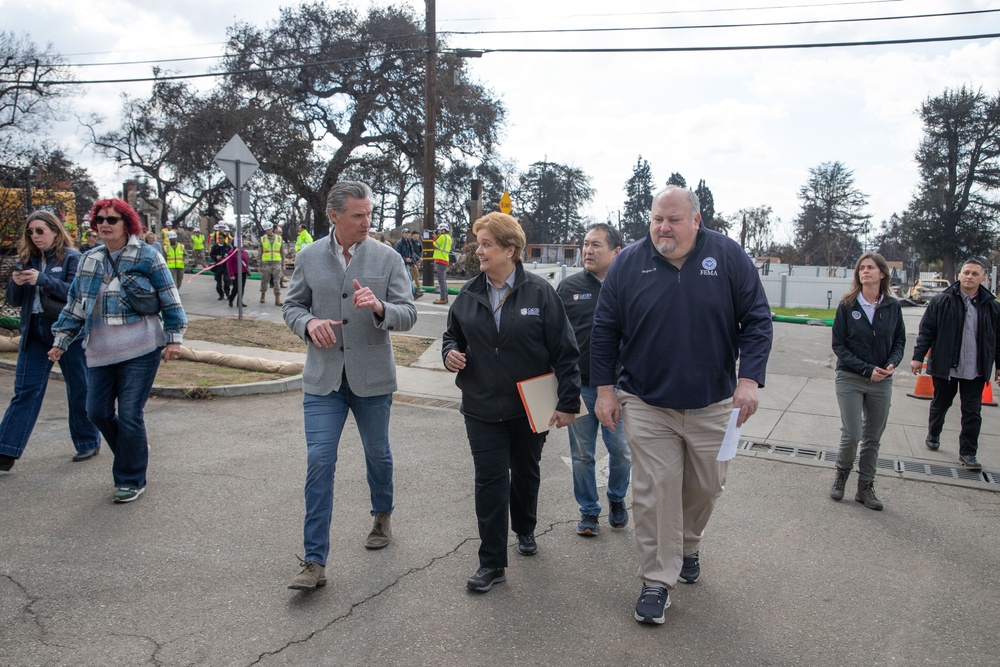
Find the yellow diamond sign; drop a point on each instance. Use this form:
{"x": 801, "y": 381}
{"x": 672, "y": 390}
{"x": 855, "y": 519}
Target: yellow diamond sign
{"x": 505, "y": 204}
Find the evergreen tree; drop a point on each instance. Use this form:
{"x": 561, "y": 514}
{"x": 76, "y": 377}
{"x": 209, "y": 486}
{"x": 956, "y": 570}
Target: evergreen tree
{"x": 708, "y": 207}
{"x": 638, "y": 202}
{"x": 677, "y": 179}
{"x": 832, "y": 215}
{"x": 551, "y": 194}
{"x": 954, "y": 211}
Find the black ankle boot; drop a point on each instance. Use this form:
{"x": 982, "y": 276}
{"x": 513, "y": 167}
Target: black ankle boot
{"x": 866, "y": 495}
{"x": 839, "y": 482}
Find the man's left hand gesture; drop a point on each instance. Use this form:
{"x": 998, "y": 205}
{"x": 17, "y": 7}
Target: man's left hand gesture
{"x": 365, "y": 298}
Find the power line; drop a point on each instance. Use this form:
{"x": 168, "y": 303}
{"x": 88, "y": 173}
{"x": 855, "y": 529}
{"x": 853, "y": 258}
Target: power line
{"x": 702, "y": 11}
{"x": 754, "y": 47}
{"x": 722, "y": 25}
{"x": 205, "y": 75}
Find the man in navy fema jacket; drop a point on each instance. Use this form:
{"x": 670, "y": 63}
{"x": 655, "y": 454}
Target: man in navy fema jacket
{"x": 676, "y": 311}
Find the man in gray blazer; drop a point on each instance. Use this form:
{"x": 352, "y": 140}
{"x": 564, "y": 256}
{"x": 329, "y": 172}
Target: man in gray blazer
{"x": 347, "y": 293}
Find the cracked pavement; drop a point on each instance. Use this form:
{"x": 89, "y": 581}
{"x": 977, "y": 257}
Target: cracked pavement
{"x": 195, "y": 572}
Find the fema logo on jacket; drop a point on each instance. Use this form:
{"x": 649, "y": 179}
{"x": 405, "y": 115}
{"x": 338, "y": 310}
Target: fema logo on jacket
{"x": 709, "y": 266}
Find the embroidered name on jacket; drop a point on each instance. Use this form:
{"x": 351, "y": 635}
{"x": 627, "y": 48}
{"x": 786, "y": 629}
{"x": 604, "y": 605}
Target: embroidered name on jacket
{"x": 531, "y": 311}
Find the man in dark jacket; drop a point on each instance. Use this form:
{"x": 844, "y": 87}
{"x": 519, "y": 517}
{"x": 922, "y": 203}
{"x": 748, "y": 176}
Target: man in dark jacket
{"x": 677, "y": 309}
{"x": 405, "y": 249}
{"x": 219, "y": 251}
{"x": 579, "y": 293}
{"x": 960, "y": 329}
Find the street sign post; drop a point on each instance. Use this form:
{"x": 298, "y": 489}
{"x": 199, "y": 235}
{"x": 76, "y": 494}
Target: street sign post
{"x": 238, "y": 164}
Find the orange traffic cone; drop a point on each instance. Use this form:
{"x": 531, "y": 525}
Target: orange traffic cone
{"x": 988, "y": 394}
{"x": 925, "y": 385}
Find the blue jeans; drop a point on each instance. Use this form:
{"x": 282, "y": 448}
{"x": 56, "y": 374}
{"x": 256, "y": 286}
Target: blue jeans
{"x": 129, "y": 383}
{"x": 30, "y": 381}
{"x": 583, "y": 445}
{"x": 324, "y": 422}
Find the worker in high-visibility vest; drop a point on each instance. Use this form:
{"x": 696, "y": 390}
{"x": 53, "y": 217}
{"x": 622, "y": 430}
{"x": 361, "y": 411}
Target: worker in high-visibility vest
{"x": 304, "y": 238}
{"x": 442, "y": 257}
{"x": 197, "y": 249}
{"x": 270, "y": 262}
{"x": 174, "y": 253}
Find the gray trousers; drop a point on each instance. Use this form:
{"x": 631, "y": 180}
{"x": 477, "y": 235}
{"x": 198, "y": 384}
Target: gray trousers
{"x": 442, "y": 274}
{"x": 864, "y": 411}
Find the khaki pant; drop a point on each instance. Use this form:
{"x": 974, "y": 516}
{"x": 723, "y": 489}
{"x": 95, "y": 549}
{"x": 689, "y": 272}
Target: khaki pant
{"x": 197, "y": 258}
{"x": 270, "y": 270}
{"x": 178, "y": 275}
{"x": 415, "y": 274}
{"x": 675, "y": 480}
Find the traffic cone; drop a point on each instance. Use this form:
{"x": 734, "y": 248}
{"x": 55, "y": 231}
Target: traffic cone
{"x": 925, "y": 385}
{"x": 988, "y": 394}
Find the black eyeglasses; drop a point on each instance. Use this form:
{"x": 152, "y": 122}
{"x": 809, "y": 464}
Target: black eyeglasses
{"x": 111, "y": 219}
{"x": 37, "y": 231}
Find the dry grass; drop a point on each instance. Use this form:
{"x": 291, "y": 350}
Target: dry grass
{"x": 275, "y": 336}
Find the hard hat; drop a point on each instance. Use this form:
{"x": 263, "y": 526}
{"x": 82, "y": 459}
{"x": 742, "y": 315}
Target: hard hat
{"x": 171, "y": 235}
{"x": 404, "y": 230}
{"x": 266, "y": 226}
{"x": 442, "y": 227}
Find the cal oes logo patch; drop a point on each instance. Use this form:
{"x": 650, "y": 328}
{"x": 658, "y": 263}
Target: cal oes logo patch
{"x": 708, "y": 266}
{"x": 531, "y": 311}
{"x": 582, "y": 297}
{"x": 855, "y": 314}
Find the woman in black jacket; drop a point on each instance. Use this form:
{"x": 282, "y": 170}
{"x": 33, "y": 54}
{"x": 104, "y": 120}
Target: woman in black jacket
{"x": 507, "y": 325}
{"x": 47, "y": 264}
{"x": 868, "y": 339}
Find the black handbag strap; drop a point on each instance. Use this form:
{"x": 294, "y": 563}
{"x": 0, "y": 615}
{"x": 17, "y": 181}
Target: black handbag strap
{"x": 114, "y": 263}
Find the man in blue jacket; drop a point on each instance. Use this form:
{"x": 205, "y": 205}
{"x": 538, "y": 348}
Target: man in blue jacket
{"x": 960, "y": 329}
{"x": 676, "y": 311}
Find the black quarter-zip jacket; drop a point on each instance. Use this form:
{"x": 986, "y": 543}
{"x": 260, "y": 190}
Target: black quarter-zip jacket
{"x": 535, "y": 338}
{"x": 861, "y": 345}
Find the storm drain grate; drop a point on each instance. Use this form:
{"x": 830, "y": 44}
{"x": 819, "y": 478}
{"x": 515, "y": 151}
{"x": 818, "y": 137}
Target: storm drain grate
{"x": 936, "y": 470}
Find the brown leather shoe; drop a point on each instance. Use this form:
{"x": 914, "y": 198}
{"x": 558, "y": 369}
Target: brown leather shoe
{"x": 312, "y": 575}
{"x": 440, "y": 302}
{"x": 381, "y": 532}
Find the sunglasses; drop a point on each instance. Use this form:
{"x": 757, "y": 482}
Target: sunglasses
{"x": 111, "y": 219}
{"x": 37, "y": 231}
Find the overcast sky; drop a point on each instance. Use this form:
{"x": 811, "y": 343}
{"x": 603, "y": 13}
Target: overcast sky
{"x": 751, "y": 123}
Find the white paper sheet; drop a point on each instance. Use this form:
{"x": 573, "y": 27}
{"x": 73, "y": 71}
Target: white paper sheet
{"x": 731, "y": 439}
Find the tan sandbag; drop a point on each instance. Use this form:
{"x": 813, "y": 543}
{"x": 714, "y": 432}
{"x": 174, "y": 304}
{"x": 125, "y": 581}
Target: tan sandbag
{"x": 242, "y": 362}
{"x": 9, "y": 344}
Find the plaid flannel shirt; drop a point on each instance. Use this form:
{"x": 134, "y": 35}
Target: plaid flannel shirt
{"x": 136, "y": 258}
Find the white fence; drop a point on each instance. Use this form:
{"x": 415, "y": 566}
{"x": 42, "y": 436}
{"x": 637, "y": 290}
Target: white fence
{"x": 785, "y": 291}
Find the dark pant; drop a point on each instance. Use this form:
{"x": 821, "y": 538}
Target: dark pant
{"x": 222, "y": 283}
{"x": 234, "y": 290}
{"x": 128, "y": 384}
{"x": 971, "y": 394}
{"x": 506, "y": 456}
{"x": 31, "y": 377}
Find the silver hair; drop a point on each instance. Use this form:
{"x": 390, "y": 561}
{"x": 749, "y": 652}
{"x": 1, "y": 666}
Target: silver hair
{"x": 691, "y": 196}
{"x": 337, "y": 198}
